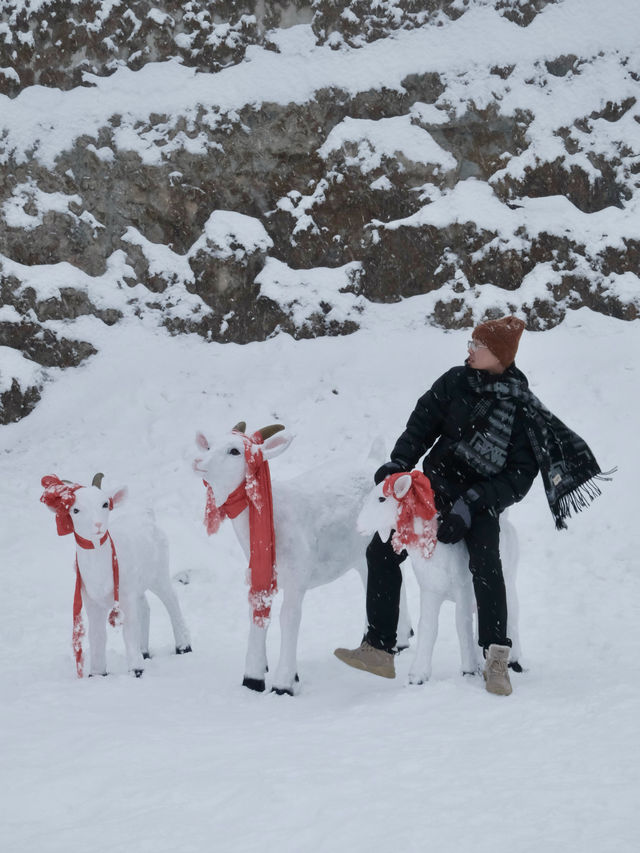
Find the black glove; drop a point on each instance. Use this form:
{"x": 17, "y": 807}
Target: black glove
{"x": 387, "y": 469}
{"x": 455, "y": 523}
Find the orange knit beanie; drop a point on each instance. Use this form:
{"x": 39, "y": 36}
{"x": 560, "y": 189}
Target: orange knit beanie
{"x": 501, "y": 337}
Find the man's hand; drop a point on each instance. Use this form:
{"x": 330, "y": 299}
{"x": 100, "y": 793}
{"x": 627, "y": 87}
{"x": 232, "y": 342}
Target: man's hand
{"x": 387, "y": 469}
{"x": 455, "y": 523}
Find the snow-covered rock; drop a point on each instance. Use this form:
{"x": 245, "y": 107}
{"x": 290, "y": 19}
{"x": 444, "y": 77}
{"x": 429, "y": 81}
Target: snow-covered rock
{"x": 484, "y": 152}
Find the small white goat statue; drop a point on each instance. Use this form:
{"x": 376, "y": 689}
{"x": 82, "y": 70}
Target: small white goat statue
{"x": 442, "y": 571}
{"x": 307, "y": 525}
{"x": 116, "y": 562}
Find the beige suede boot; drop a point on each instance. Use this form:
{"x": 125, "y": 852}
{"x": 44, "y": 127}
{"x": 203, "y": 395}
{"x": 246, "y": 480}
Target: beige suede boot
{"x": 370, "y": 659}
{"x": 496, "y": 672}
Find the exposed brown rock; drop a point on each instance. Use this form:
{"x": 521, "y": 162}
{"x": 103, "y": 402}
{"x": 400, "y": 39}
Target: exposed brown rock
{"x": 263, "y": 161}
{"x": 43, "y": 346}
{"x": 17, "y": 402}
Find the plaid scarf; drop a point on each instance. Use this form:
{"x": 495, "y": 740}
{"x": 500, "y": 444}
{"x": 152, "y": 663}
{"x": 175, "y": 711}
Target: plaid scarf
{"x": 568, "y": 467}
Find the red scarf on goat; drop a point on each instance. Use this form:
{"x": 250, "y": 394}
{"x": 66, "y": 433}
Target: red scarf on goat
{"x": 416, "y": 510}
{"x": 255, "y": 493}
{"x": 78, "y": 627}
{"x": 60, "y": 497}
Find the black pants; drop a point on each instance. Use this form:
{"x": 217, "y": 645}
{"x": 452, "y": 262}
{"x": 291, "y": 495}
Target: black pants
{"x": 385, "y": 580}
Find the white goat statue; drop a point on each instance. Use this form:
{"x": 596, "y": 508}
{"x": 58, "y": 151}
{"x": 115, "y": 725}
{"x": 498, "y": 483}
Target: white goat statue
{"x": 442, "y": 572}
{"x": 314, "y": 532}
{"x": 116, "y": 562}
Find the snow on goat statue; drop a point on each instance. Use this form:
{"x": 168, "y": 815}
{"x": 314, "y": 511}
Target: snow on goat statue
{"x": 112, "y": 573}
{"x": 312, "y": 521}
{"x": 404, "y": 504}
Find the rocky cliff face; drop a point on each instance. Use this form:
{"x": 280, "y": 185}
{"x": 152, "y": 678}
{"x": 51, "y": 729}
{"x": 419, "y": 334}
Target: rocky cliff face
{"x": 204, "y": 162}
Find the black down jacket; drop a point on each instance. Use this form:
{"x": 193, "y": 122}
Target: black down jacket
{"x": 437, "y": 424}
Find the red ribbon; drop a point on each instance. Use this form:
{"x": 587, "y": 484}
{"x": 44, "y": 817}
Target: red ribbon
{"x": 255, "y": 492}
{"x": 60, "y": 497}
{"x": 78, "y": 626}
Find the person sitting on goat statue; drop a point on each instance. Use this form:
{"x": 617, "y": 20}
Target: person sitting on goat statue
{"x": 487, "y": 437}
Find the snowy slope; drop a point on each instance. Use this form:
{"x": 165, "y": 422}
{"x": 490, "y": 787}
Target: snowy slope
{"x": 187, "y": 760}
{"x": 549, "y": 203}
{"x": 45, "y": 122}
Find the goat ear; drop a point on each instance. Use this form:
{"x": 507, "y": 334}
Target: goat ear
{"x": 402, "y": 486}
{"x": 50, "y": 480}
{"x": 201, "y": 441}
{"x": 119, "y": 496}
{"x": 275, "y": 445}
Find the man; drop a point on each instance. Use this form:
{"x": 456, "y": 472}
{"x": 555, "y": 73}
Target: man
{"x": 487, "y": 436}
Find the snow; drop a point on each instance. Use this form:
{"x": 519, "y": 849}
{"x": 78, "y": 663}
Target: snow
{"x": 43, "y": 122}
{"x": 158, "y": 17}
{"x": 8, "y": 314}
{"x": 142, "y": 110}
{"x": 15, "y": 215}
{"x": 49, "y": 120}
{"x": 115, "y": 288}
{"x": 232, "y": 235}
{"x": 385, "y": 137}
{"x": 302, "y": 292}
{"x": 428, "y": 114}
{"x": 162, "y": 260}
{"x": 14, "y": 365}
{"x": 105, "y": 291}
{"x": 10, "y": 73}
{"x": 185, "y": 758}
{"x": 474, "y": 201}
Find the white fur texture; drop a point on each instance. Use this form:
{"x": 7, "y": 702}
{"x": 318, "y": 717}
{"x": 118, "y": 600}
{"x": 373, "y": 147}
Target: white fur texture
{"x": 445, "y": 576}
{"x": 143, "y": 559}
{"x": 316, "y": 539}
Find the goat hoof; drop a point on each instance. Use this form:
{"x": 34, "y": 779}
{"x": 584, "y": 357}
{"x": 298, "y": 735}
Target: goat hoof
{"x": 138, "y": 673}
{"x": 282, "y": 691}
{"x": 98, "y": 674}
{"x": 183, "y": 650}
{"x": 146, "y": 656}
{"x": 416, "y": 681}
{"x": 469, "y": 672}
{"x": 297, "y": 679}
{"x": 256, "y": 684}
{"x": 515, "y": 666}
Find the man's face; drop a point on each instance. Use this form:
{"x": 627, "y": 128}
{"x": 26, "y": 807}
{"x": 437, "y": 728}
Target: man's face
{"x": 481, "y": 358}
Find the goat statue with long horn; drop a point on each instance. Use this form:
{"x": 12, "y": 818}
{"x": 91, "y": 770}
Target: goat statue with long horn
{"x": 312, "y": 539}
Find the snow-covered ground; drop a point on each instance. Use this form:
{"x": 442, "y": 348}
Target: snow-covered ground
{"x": 187, "y": 760}
{"x": 570, "y": 121}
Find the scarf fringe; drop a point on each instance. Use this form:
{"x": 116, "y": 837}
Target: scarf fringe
{"x": 606, "y": 475}
{"x": 578, "y": 499}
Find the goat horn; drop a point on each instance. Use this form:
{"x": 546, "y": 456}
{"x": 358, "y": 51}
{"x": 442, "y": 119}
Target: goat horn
{"x": 97, "y": 481}
{"x": 239, "y": 427}
{"x": 268, "y": 431}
